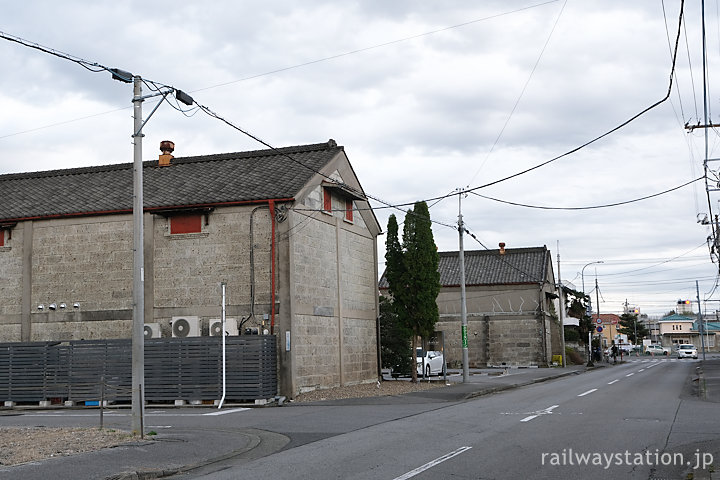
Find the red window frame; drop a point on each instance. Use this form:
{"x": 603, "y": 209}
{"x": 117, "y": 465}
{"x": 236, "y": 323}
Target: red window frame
{"x": 191, "y": 223}
{"x": 2, "y": 238}
{"x": 349, "y": 209}
{"x": 327, "y": 200}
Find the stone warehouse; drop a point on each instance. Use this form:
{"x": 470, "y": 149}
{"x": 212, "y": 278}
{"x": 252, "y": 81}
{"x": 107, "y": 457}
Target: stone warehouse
{"x": 511, "y": 303}
{"x": 288, "y": 230}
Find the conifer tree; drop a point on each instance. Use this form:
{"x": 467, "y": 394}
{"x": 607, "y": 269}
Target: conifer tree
{"x": 411, "y": 270}
{"x": 422, "y": 278}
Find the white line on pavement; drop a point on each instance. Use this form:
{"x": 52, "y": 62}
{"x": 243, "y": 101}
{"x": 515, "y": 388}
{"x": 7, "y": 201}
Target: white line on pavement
{"x": 224, "y": 412}
{"x": 641, "y": 370}
{"x": 588, "y": 392}
{"x": 429, "y": 465}
{"x": 527, "y": 419}
{"x": 610, "y": 383}
{"x": 630, "y": 374}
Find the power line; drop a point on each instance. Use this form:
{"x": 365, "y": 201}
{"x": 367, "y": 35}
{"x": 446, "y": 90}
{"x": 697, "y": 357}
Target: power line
{"x": 618, "y": 127}
{"x": 592, "y": 207}
{"x": 373, "y": 47}
{"x": 522, "y": 92}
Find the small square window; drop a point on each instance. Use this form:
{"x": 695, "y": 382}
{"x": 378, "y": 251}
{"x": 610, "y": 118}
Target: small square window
{"x": 185, "y": 224}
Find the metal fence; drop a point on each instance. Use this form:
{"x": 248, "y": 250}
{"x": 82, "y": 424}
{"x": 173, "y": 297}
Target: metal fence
{"x": 175, "y": 369}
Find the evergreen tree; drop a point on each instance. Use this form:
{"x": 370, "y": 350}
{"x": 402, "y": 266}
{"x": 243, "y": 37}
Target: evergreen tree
{"x": 421, "y": 279}
{"x": 394, "y": 264}
{"x": 629, "y": 325}
{"x": 394, "y": 340}
{"x": 411, "y": 270}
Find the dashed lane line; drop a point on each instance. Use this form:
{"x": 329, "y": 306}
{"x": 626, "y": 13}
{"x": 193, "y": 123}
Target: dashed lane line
{"x": 588, "y": 392}
{"x": 433, "y": 463}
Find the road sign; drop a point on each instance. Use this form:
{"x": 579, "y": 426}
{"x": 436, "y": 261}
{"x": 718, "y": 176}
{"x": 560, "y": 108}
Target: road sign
{"x": 599, "y": 329}
{"x": 607, "y": 321}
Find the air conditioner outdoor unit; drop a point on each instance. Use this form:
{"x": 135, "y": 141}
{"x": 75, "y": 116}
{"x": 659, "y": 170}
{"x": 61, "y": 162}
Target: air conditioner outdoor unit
{"x": 185, "y": 326}
{"x": 231, "y": 327}
{"x": 152, "y": 330}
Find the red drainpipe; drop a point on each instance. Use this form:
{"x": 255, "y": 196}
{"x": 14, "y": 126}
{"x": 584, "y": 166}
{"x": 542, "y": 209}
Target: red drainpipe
{"x": 271, "y": 206}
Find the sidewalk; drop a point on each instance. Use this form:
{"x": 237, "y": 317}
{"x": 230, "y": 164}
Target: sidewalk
{"x": 190, "y": 449}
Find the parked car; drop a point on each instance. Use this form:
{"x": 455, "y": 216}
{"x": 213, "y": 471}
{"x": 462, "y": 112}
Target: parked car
{"x": 687, "y": 350}
{"x": 655, "y": 350}
{"x": 622, "y": 349}
{"x": 433, "y": 360}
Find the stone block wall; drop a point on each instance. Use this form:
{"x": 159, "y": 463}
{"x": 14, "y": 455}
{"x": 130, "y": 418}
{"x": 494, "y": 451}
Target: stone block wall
{"x": 87, "y": 261}
{"x": 515, "y": 342}
{"x": 333, "y": 295}
{"x": 11, "y": 269}
{"x": 188, "y": 268}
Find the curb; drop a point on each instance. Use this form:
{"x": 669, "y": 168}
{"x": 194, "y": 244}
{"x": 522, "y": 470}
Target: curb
{"x": 255, "y": 444}
{"x": 500, "y": 388}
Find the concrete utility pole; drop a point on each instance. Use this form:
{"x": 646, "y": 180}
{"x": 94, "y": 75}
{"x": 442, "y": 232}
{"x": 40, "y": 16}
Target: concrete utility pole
{"x": 463, "y": 305}
{"x": 597, "y": 300}
{"x": 699, "y": 319}
{"x": 589, "y": 310}
{"x": 138, "y": 325}
{"x": 562, "y": 308}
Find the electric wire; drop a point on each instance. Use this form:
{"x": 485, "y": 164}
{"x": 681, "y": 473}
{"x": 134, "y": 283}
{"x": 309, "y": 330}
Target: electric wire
{"x": 690, "y": 69}
{"x": 616, "y": 128}
{"x": 522, "y": 92}
{"x": 591, "y": 207}
{"x": 373, "y": 47}
{"x": 677, "y": 81}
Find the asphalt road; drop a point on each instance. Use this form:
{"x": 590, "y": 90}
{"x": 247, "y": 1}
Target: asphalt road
{"x": 636, "y": 420}
{"x": 639, "y": 419}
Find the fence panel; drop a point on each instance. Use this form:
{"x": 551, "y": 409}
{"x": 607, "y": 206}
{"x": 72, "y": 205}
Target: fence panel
{"x": 175, "y": 369}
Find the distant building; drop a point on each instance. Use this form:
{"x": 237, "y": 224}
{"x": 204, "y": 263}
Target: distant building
{"x": 610, "y": 323}
{"x": 511, "y": 316}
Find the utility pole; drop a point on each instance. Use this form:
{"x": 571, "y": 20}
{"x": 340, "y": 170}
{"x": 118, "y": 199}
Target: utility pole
{"x": 699, "y": 319}
{"x": 597, "y": 300}
{"x": 705, "y": 126}
{"x": 463, "y": 305}
{"x": 138, "y": 325}
{"x": 562, "y": 308}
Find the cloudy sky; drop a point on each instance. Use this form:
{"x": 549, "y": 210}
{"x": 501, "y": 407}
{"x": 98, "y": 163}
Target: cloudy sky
{"x": 426, "y": 97}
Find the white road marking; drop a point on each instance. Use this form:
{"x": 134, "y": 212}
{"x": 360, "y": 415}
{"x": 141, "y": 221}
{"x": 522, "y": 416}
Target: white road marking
{"x": 539, "y": 412}
{"x": 224, "y": 412}
{"x": 588, "y": 392}
{"x": 96, "y": 413}
{"x": 429, "y": 465}
{"x": 610, "y": 383}
{"x": 630, "y": 374}
{"x": 641, "y": 370}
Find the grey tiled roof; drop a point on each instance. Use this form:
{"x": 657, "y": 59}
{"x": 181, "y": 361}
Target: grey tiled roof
{"x": 201, "y": 180}
{"x": 488, "y": 267}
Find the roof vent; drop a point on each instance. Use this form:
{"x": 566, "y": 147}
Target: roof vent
{"x": 502, "y": 248}
{"x": 166, "y": 147}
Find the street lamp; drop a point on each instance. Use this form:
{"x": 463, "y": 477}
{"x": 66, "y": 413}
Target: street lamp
{"x": 582, "y": 275}
{"x": 582, "y": 272}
